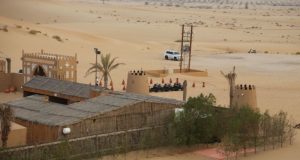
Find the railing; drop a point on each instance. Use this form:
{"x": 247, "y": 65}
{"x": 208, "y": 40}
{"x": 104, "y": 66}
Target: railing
{"x": 90, "y": 146}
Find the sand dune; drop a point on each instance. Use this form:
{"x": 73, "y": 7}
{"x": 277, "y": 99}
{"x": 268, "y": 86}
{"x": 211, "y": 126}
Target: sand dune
{"x": 138, "y": 34}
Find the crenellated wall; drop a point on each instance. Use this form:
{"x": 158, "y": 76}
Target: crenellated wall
{"x": 53, "y": 65}
{"x": 245, "y": 95}
{"x": 137, "y": 82}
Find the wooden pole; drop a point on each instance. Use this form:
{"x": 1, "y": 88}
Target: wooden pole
{"x": 181, "y": 50}
{"x": 190, "y": 49}
{"x": 184, "y": 90}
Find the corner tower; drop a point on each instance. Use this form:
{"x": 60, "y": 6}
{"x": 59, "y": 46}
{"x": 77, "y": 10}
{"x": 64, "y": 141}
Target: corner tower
{"x": 245, "y": 95}
{"x": 137, "y": 82}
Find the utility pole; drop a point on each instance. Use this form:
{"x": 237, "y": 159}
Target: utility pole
{"x": 186, "y": 47}
{"x": 184, "y": 85}
{"x": 96, "y": 76}
{"x": 190, "y": 48}
{"x": 181, "y": 48}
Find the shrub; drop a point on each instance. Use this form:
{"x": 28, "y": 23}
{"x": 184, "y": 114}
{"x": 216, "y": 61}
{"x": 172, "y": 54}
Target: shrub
{"x": 57, "y": 38}
{"x": 18, "y": 26}
{"x": 199, "y": 112}
{"x": 297, "y": 53}
{"x": 34, "y": 32}
{"x": 4, "y": 28}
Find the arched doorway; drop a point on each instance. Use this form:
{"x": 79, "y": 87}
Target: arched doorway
{"x": 39, "y": 71}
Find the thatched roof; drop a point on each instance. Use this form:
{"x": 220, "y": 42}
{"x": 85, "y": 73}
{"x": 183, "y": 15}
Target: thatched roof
{"x": 37, "y": 109}
{"x": 60, "y": 87}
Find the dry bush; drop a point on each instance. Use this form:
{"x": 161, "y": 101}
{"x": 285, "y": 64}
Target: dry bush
{"x": 18, "y": 26}
{"x": 57, "y": 38}
{"x": 33, "y": 32}
{"x": 297, "y": 53}
{"x": 4, "y": 29}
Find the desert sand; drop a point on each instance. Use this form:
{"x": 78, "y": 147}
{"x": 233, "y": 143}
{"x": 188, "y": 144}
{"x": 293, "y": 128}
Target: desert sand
{"x": 138, "y": 34}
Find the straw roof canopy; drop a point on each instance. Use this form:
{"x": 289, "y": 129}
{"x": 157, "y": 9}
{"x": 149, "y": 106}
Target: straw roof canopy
{"x": 37, "y": 108}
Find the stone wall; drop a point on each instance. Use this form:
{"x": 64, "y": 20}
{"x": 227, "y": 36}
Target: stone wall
{"x": 8, "y": 80}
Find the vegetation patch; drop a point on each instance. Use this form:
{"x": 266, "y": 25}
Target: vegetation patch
{"x": 57, "y": 38}
{"x": 34, "y": 32}
{"x": 238, "y": 129}
{"x": 18, "y": 26}
{"x": 4, "y": 29}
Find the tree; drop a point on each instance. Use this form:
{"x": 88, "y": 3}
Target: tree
{"x": 196, "y": 124}
{"x": 266, "y": 125}
{"x": 291, "y": 131}
{"x": 230, "y": 146}
{"x": 105, "y": 67}
{"x": 243, "y": 127}
{"x": 6, "y": 116}
{"x": 254, "y": 121}
{"x": 282, "y": 126}
{"x": 274, "y": 130}
{"x": 231, "y": 76}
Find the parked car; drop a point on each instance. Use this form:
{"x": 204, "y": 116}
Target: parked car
{"x": 172, "y": 55}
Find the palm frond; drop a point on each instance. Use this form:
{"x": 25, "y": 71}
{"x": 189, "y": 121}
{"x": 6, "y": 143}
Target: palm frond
{"x": 115, "y": 66}
{"x": 112, "y": 62}
{"x": 93, "y": 69}
{"x": 105, "y": 67}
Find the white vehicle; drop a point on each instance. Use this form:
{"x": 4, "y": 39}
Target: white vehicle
{"x": 173, "y": 55}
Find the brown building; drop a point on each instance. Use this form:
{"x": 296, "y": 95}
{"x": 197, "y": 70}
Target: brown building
{"x": 16, "y": 136}
{"x": 9, "y": 80}
{"x": 45, "y": 118}
{"x": 50, "y": 65}
{"x": 2, "y": 66}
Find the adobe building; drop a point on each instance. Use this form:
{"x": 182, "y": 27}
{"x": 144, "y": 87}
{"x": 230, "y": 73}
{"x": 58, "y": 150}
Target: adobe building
{"x": 75, "y": 107}
{"x": 50, "y": 65}
{"x": 16, "y": 136}
{"x": 5, "y": 63}
{"x": 245, "y": 95}
{"x": 137, "y": 82}
{"x": 2, "y": 66}
{"x": 7, "y": 79}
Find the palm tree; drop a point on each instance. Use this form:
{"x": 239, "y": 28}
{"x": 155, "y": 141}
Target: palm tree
{"x": 231, "y": 76}
{"x": 6, "y": 116}
{"x": 105, "y": 67}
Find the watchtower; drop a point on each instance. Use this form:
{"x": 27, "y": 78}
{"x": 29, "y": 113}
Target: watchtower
{"x": 50, "y": 65}
{"x": 245, "y": 95}
{"x": 137, "y": 82}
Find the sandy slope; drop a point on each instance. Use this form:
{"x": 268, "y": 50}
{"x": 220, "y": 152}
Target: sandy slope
{"x": 138, "y": 35}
